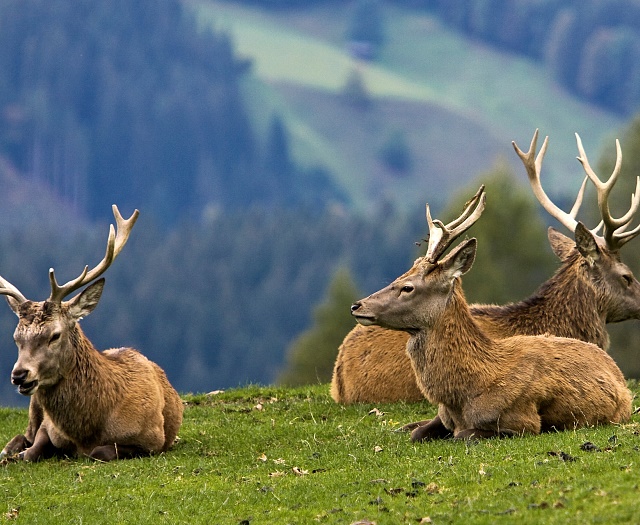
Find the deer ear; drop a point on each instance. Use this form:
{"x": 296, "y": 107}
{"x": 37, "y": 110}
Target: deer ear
{"x": 461, "y": 258}
{"x": 85, "y": 302}
{"x": 13, "y": 304}
{"x": 560, "y": 243}
{"x": 586, "y": 244}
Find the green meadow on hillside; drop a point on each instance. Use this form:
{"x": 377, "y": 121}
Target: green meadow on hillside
{"x": 263, "y": 455}
{"x": 459, "y": 103}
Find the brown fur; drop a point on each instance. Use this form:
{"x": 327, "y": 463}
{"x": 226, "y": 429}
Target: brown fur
{"x": 106, "y": 405}
{"x": 585, "y": 293}
{"x": 486, "y": 386}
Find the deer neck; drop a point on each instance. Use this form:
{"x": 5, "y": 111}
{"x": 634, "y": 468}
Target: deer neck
{"x": 566, "y": 305}
{"x": 76, "y": 404}
{"x": 452, "y": 352}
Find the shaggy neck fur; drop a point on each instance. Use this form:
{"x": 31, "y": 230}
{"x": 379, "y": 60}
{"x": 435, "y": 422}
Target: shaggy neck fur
{"x": 566, "y": 304}
{"x": 452, "y": 347}
{"x": 81, "y": 415}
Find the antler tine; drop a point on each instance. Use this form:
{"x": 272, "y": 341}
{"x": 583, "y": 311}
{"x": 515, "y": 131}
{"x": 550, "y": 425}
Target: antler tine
{"x": 469, "y": 208}
{"x": 124, "y": 227}
{"x": 6, "y": 288}
{"x": 436, "y": 232}
{"x": 613, "y": 230}
{"x": 441, "y": 236}
{"x": 621, "y": 236}
{"x": 115, "y": 243}
{"x": 576, "y": 205}
{"x": 533, "y": 166}
{"x": 633, "y": 208}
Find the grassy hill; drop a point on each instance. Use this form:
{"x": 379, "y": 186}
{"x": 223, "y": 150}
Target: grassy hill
{"x": 458, "y": 102}
{"x": 271, "y": 455}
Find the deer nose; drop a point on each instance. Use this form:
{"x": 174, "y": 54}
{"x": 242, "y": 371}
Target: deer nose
{"x": 355, "y": 306}
{"x": 18, "y": 377}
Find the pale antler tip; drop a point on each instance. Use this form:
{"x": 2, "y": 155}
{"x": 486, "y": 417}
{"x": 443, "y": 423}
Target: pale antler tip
{"x": 117, "y": 214}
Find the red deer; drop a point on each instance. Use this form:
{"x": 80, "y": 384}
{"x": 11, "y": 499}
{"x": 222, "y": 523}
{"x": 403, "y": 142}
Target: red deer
{"x": 486, "y": 386}
{"x": 105, "y": 405}
{"x": 592, "y": 287}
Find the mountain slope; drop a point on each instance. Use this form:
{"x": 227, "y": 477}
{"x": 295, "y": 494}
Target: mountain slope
{"x": 459, "y": 103}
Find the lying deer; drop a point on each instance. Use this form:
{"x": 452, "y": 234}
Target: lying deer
{"x": 486, "y": 386}
{"x": 106, "y": 405}
{"x": 592, "y": 287}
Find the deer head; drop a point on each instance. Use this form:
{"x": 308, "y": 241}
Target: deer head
{"x": 415, "y": 300}
{"x": 401, "y": 305}
{"x": 47, "y": 331}
{"x": 614, "y": 284}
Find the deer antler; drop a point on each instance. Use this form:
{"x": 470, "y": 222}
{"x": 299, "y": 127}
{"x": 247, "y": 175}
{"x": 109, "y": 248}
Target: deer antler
{"x": 533, "y": 165}
{"x": 6, "y": 288}
{"x": 613, "y": 230}
{"x": 115, "y": 244}
{"x": 441, "y": 236}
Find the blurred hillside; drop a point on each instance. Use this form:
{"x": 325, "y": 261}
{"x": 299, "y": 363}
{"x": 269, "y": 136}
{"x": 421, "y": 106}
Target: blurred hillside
{"x": 457, "y": 102}
{"x": 266, "y": 148}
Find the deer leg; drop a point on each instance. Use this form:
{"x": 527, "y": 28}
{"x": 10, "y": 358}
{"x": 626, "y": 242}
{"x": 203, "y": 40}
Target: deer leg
{"x": 433, "y": 429}
{"x": 36, "y": 416}
{"x": 115, "y": 451}
{"x": 42, "y": 447}
{"x": 24, "y": 441}
{"x": 49, "y": 442}
{"x": 15, "y": 446}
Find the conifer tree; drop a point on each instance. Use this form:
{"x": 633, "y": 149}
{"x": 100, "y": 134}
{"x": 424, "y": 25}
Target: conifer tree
{"x": 311, "y": 356}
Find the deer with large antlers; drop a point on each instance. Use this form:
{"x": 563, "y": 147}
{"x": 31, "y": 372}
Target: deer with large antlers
{"x": 105, "y": 405}
{"x": 592, "y": 287}
{"x": 486, "y": 386}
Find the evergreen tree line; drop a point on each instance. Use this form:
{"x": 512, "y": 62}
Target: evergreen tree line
{"x": 215, "y": 304}
{"x": 134, "y": 103}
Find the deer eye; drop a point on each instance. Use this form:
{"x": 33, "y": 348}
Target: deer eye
{"x": 628, "y": 279}
{"x": 407, "y": 288}
{"x": 54, "y": 337}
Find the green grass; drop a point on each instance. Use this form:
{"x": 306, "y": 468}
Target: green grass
{"x": 272, "y": 455}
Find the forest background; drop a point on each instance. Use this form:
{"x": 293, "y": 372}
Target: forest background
{"x": 281, "y": 154}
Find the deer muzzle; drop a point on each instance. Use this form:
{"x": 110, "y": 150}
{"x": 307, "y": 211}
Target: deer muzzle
{"x": 358, "y": 312}
{"x": 19, "y": 378}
